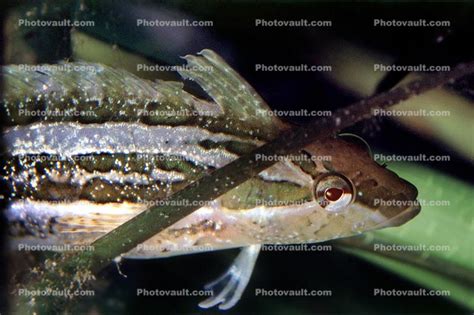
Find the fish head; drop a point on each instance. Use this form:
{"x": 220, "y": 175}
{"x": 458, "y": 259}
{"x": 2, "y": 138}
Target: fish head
{"x": 355, "y": 193}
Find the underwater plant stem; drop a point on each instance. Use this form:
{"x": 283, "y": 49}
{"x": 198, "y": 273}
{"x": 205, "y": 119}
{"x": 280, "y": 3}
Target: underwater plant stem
{"x": 75, "y": 270}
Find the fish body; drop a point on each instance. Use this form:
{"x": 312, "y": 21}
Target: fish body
{"x": 75, "y": 177}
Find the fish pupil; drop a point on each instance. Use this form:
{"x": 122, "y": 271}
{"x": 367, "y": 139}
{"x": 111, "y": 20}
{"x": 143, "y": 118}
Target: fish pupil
{"x": 333, "y": 194}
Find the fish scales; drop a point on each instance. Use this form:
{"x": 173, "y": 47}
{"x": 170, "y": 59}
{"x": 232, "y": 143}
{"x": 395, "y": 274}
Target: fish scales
{"x": 85, "y": 154}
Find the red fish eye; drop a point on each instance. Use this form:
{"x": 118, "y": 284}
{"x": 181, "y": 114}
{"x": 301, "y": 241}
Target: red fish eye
{"x": 333, "y": 194}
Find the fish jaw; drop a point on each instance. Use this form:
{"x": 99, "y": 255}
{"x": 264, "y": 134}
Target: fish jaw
{"x": 400, "y": 219}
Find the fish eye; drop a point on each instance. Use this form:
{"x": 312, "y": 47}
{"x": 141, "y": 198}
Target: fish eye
{"x": 334, "y": 192}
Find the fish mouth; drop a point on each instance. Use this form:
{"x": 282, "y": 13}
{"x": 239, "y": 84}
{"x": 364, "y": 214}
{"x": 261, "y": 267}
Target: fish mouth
{"x": 410, "y": 193}
{"x": 401, "y": 218}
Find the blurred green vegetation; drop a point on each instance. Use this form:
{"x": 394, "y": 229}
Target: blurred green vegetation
{"x": 446, "y": 231}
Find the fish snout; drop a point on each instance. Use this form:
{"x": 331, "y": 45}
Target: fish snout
{"x": 402, "y": 207}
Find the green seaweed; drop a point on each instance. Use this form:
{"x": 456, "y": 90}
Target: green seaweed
{"x": 449, "y": 229}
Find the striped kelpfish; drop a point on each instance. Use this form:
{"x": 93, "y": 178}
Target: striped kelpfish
{"x": 89, "y": 147}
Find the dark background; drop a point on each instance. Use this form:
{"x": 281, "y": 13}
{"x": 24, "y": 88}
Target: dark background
{"x": 242, "y": 45}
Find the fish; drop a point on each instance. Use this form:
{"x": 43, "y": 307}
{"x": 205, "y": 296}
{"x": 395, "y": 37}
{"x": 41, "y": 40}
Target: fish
{"x": 88, "y": 147}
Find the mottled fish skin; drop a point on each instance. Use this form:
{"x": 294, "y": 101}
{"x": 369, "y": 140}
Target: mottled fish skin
{"x": 72, "y": 179}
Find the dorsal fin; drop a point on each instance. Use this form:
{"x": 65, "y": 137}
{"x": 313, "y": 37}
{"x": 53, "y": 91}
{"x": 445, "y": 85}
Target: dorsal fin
{"x": 114, "y": 95}
{"x": 228, "y": 89}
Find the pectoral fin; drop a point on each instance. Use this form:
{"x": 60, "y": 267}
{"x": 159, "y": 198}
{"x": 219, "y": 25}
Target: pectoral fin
{"x": 228, "y": 288}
